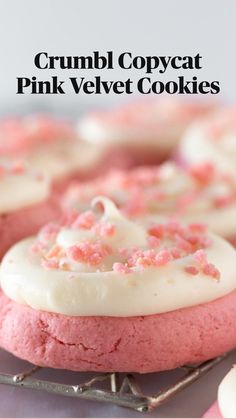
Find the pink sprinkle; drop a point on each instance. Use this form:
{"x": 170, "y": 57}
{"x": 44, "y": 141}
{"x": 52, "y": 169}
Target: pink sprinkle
{"x": 176, "y": 253}
{"x": 85, "y": 220}
{"x": 104, "y": 229}
{"x": 183, "y": 244}
{"x": 121, "y": 268}
{"x": 144, "y": 261}
{"x": 203, "y": 172}
{"x": 162, "y": 258}
{"x": 193, "y": 239}
{"x": 90, "y": 253}
{"x": 157, "y": 230}
{"x": 173, "y": 227}
{"x": 200, "y": 257}
{"x": 210, "y": 270}
{"x": 192, "y": 270}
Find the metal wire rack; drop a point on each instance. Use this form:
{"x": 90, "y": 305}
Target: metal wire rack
{"x": 125, "y": 392}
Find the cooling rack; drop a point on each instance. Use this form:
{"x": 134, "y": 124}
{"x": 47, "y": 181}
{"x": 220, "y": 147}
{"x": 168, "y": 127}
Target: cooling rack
{"x": 122, "y": 391}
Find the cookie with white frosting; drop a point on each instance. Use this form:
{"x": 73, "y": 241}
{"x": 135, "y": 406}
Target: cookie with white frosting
{"x": 48, "y": 144}
{"x": 26, "y": 203}
{"x": 197, "y": 193}
{"x": 87, "y": 292}
{"x": 212, "y": 139}
{"x": 142, "y": 131}
{"x": 225, "y": 406}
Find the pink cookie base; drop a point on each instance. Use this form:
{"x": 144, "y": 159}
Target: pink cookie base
{"x": 213, "y": 412}
{"x": 17, "y": 225}
{"x": 142, "y": 344}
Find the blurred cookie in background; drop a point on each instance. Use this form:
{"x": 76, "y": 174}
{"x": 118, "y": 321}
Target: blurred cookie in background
{"x": 49, "y": 144}
{"x": 26, "y": 203}
{"x": 142, "y": 132}
{"x": 199, "y": 193}
{"x": 212, "y": 139}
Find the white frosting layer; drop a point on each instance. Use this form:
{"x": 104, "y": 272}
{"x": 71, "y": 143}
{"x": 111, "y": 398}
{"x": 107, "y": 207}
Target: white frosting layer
{"x": 212, "y": 139}
{"x": 87, "y": 290}
{"x": 227, "y": 395}
{"x": 220, "y": 220}
{"x": 155, "y": 124}
{"x": 21, "y": 190}
{"x": 65, "y": 157}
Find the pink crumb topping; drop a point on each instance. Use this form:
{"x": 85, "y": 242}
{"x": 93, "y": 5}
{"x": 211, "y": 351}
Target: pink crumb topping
{"x": 104, "y": 229}
{"x": 165, "y": 242}
{"x": 85, "y": 220}
{"x": 144, "y": 190}
{"x": 203, "y": 172}
{"x": 90, "y": 253}
{"x": 192, "y": 270}
{"x": 210, "y": 270}
{"x": 121, "y": 268}
{"x": 200, "y": 257}
{"x": 162, "y": 258}
{"x": 207, "y": 268}
{"x": 19, "y": 135}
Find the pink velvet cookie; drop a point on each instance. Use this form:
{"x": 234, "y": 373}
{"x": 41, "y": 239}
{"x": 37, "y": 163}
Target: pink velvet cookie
{"x": 51, "y": 145}
{"x": 142, "y": 132}
{"x": 26, "y": 204}
{"x": 87, "y": 292}
{"x": 225, "y": 406}
{"x": 196, "y": 193}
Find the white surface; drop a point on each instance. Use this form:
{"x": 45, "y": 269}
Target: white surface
{"x": 192, "y": 402}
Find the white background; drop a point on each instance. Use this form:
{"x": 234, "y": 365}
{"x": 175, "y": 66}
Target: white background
{"x": 77, "y": 27}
